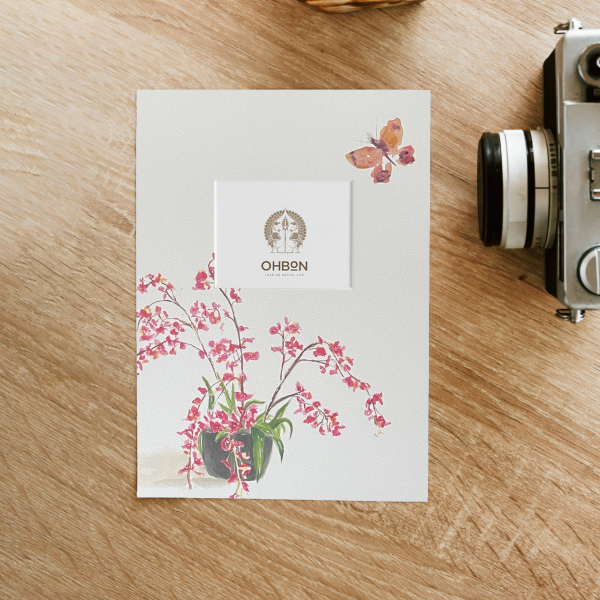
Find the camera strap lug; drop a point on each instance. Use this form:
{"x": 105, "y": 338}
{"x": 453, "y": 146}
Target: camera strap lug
{"x": 571, "y": 24}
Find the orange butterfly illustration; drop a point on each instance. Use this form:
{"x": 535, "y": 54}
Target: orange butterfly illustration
{"x": 386, "y": 147}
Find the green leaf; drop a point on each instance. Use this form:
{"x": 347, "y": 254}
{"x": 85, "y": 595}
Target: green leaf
{"x": 276, "y": 424}
{"x": 232, "y": 398}
{"x": 251, "y": 402}
{"x": 223, "y": 386}
{"x": 211, "y": 394}
{"x": 225, "y": 408}
{"x": 280, "y": 412}
{"x": 258, "y": 451}
{"x": 229, "y": 399}
{"x": 286, "y": 420}
{"x": 220, "y": 435}
{"x": 208, "y": 386}
{"x": 200, "y": 446}
{"x": 265, "y": 427}
{"x": 279, "y": 443}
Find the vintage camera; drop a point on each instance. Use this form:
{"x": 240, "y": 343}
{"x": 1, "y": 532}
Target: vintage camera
{"x": 541, "y": 189}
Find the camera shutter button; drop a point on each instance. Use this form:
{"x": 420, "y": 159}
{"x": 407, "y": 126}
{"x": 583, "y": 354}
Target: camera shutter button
{"x": 589, "y": 271}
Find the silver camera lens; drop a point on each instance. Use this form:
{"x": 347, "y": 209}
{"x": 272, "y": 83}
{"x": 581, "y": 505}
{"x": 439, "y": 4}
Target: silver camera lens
{"x": 517, "y": 189}
{"x": 589, "y": 65}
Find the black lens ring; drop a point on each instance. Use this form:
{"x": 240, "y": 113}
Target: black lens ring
{"x": 593, "y": 65}
{"x": 530, "y": 189}
{"x": 490, "y": 189}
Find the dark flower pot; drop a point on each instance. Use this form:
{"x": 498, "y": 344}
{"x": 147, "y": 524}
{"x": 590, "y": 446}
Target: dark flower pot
{"x": 212, "y": 454}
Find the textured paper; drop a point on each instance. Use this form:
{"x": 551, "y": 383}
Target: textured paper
{"x": 187, "y": 140}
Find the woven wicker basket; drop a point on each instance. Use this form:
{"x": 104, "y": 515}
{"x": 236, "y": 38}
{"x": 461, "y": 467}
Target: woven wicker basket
{"x": 340, "y": 6}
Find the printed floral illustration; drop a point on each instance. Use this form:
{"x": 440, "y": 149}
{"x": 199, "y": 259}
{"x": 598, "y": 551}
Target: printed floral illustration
{"x": 386, "y": 147}
{"x": 229, "y": 430}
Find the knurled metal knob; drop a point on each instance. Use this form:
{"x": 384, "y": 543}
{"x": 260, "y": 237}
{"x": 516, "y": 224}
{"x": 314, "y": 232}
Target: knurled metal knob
{"x": 589, "y": 271}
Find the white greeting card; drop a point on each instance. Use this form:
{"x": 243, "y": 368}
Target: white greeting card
{"x": 282, "y": 294}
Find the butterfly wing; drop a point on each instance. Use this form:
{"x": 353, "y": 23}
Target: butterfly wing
{"x": 391, "y": 135}
{"x": 365, "y": 158}
{"x": 380, "y": 175}
{"x": 406, "y": 155}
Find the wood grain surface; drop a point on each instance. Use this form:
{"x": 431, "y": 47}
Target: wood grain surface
{"x": 515, "y": 418}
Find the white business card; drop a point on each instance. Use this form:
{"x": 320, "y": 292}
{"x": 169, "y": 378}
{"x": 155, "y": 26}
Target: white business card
{"x": 283, "y": 234}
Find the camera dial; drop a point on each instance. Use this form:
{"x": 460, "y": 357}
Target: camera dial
{"x": 517, "y": 191}
{"x": 589, "y": 271}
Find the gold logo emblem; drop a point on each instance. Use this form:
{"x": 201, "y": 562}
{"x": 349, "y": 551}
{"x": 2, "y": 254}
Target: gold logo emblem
{"x": 285, "y": 232}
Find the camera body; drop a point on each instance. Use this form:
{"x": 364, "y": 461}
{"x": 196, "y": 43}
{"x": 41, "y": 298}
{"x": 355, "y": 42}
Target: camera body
{"x": 541, "y": 189}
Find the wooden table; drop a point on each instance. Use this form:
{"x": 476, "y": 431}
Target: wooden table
{"x": 514, "y": 443}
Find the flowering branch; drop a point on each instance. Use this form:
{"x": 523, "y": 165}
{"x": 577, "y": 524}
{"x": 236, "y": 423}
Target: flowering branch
{"x": 153, "y": 324}
{"x": 236, "y": 298}
{"x": 190, "y": 446}
{"x": 331, "y": 358}
{"x": 224, "y": 408}
{"x": 235, "y": 463}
